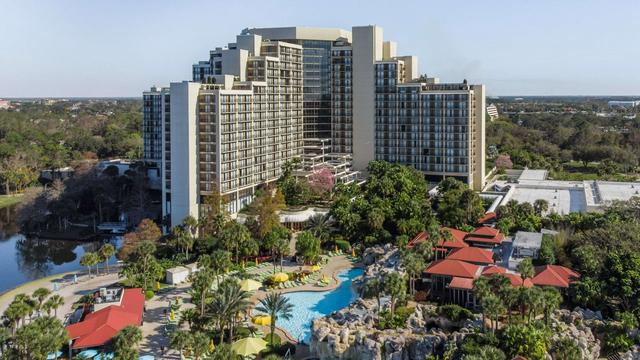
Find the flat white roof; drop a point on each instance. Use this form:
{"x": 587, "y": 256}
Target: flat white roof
{"x": 528, "y": 174}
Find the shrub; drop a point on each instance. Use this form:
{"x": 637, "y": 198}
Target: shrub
{"x": 343, "y": 245}
{"x": 272, "y": 342}
{"x": 399, "y": 319}
{"x": 454, "y": 312}
{"x": 149, "y": 294}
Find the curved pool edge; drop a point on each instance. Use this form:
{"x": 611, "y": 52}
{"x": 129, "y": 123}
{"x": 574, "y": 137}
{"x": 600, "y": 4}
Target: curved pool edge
{"x": 359, "y": 265}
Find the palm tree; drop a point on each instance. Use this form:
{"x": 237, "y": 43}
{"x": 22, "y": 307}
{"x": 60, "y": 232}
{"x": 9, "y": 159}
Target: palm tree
{"x": 233, "y": 235}
{"x": 540, "y": 206}
{"x": 282, "y": 249}
{"x": 201, "y": 286}
{"x": 41, "y": 337}
{"x": 276, "y": 241}
{"x": 24, "y": 305}
{"x": 220, "y": 262}
{"x": 190, "y": 316}
{"x": 199, "y": 344}
{"x": 14, "y": 314}
{"x": 278, "y": 307}
{"x": 181, "y": 238}
{"x": 526, "y": 269}
{"x": 88, "y": 260}
{"x": 551, "y": 300}
{"x": 396, "y": 287}
{"x": 106, "y": 252}
{"x": 493, "y": 307}
{"x": 126, "y": 342}
{"x": 40, "y": 295}
{"x": 373, "y": 287}
{"x": 321, "y": 226}
{"x": 228, "y": 302}
{"x": 54, "y": 302}
{"x": 179, "y": 340}
{"x": 223, "y": 352}
{"x": 415, "y": 265}
{"x": 536, "y": 302}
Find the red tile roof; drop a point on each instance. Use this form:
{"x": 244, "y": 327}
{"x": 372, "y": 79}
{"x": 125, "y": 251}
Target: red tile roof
{"x": 422, "y": 236}
{"x": 487, "y": 218}
{"x": 516, "y": 280}
{"x": 472, "y": 255}
{"x": 461, "y": 283}
{"x": 493, "y": 269}
{"x": 485, "y": 231}
{"x": 456, "y": 242}
{"x": 453, "y": 268}
{"x": 554, "y": 275}
{"x": 99, "y": 327}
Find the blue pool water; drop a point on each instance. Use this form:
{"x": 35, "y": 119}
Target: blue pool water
{"x": 309, "y": 305}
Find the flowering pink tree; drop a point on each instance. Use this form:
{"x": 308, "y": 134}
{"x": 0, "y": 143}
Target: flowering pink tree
{"x": 322, "y": 180}
{"x": 504, "y": 162}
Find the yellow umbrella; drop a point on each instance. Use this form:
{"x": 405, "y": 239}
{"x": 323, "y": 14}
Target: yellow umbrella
{"x": 212, "y": 346}
{"x": 172, "y": 315}
{"x": 157, "y": 285}
{"x": 315, "y": 268}
{"x": 280, "y": 277}
{"x": 248, "y": 346}
{"x": 264, "y": 320}
{"x": 249, "y": 285}
{"x": 353, "y": 252}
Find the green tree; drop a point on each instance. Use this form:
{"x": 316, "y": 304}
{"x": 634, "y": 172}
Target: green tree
{"x": 415, "y": 265}
{"x": 308, "y": 247}
{"x": 540, "y": 206}
{"x": 53, "y": 303}
{"x": 229, "y": 301}
{"x": 277, "y": 241}
{"x": 457, "y": 205}
{"x": 493, "y": 307}
{"x": 276, "y": 306}
{"x": 551, "y": 300}
{"x": 220, "y": 262}
{"x": 566, "y": 349}
{"x": 40, "y": 295}
{"x": 321, "y": 226}
{"x": 126, "y": 343}
{"x": 89, "y": 260}
{"x": 41, "y": 337}
{"x": 199, "y": 344}
{"x": 396, "y": 287}
{"x": 106, "y": 252}
{"x": 526, "y": 269}
{"x": 373, "y": 288}
{"x": 547, "y": 253}
{"x": 142, "y": 267}
{"x": 525, "y": 340}
{"x": 233, "y": 236}
{"x": 179, "y": 340}
{"x": 487, "y": 352}
{"x": 223, "y": 352}
{"x": 201, "y": 282}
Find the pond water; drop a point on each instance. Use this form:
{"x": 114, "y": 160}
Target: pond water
{"x": 309, "y": 305}
{"x": 23, "y": 259}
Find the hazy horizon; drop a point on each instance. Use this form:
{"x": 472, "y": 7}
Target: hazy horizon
{"x": 67, "y": 49}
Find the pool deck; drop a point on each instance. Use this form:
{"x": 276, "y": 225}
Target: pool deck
{"x": 335, "y": 265}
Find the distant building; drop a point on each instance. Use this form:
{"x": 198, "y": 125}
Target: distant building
{"x": 564, "y": 197}
{"x": 5, "y": 104}
{"x": 627, "y": 104}
{"x": 492, "y": 111}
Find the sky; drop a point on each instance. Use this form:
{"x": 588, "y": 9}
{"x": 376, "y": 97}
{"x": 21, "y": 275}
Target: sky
{"x": 91, "y": 48}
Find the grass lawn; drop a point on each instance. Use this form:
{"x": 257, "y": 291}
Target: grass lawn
{"x": 8, "y": 200}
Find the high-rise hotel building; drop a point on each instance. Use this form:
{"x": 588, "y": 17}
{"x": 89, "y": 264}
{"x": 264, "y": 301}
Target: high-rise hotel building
{"x": 280, "y": 93}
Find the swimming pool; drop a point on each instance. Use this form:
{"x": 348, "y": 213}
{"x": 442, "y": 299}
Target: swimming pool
{"x": 309, "y": 305}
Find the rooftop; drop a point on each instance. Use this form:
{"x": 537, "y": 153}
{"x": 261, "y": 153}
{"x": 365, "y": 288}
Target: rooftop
{"x": 527, "y": 239}
{"x": 100, "y": 326}
{"x": 472, "y": 255}
{"x": 554, "y": 275}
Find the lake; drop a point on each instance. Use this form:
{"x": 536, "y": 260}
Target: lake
{"x": 23, "y": 259}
